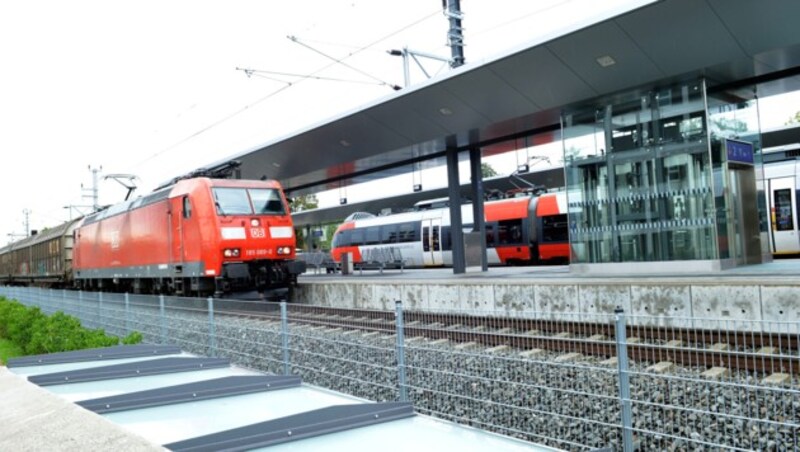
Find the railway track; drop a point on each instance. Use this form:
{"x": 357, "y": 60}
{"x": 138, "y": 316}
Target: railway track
{"x": 761, "y": 352}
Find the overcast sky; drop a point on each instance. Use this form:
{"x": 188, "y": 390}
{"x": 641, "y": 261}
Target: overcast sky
{"x": 150, "y": 87}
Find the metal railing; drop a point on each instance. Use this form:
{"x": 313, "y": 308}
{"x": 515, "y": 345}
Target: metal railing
{"x": 572, "y": 381}
{"x": 380, "y": 258}
{"x": 318, "y": 260}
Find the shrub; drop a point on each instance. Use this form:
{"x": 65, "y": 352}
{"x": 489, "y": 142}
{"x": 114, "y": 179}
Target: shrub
{"x": 134, "y": 338}
{"x": 36, "y": 333}
{"x": 21, "y": 321}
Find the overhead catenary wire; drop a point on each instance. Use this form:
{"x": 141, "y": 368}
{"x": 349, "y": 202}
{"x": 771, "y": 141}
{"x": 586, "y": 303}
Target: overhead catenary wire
{"x": 340, "y": 61}
{"x": 521, "y": 17}
{"x": 279, "y": 90}
{"x": 262, "y": 73}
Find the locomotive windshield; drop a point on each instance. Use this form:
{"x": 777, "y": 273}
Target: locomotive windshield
{"x": 243, "y": 201}
{"x": 267, "y": 201}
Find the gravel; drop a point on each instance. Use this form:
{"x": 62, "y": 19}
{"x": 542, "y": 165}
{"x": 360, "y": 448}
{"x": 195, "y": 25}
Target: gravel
{"x": 571, "y": 405}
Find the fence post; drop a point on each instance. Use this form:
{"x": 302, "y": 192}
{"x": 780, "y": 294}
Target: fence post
{"x": 400, "y": 350}
{"x": 64, "y": 303}
{"x": 127, "y": 315}
{"x": 100, "y": 310}
{"x": 285, "y": 338}
{"x": 212, "y": 331}
{"x": 80, "y": 304}
{"x": 624, "y": 380}
{"x": 162, "y": 319}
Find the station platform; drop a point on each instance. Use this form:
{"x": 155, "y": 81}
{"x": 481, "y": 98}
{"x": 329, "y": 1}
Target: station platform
{"x": 765, "y": 292}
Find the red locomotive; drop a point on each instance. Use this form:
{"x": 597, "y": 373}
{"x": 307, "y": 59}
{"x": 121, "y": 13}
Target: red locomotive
{"x": 197, "y": 236}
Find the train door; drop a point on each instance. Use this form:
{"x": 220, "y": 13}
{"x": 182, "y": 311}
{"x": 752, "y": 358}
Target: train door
{"x": 177, "y": 251}
{"x": 432, "y": 242}
{"x": 783, "y": 215}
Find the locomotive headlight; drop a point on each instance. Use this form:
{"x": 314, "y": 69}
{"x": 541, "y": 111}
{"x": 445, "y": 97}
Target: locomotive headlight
{"x": 283, "y": 250}
{"x": 231, "y": 252}
{"x": 255, "y": 222}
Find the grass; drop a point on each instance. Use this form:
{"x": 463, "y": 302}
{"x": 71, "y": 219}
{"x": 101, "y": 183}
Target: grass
{"x": 8, "y": 349}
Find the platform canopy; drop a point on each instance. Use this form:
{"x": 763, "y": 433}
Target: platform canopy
{"x": 731, "y": 43}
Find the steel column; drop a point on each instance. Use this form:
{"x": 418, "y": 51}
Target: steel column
{"x": 478, "y": 221}
{"x": 456, "y": 224}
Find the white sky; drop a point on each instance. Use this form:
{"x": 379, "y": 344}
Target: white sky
{"x": 149, "y": 87}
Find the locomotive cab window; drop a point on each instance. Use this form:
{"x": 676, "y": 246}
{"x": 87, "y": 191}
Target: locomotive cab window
{"x": 232, "y": 201}
{"x": 267, "y": 201}
{"x": 241, "y": 201}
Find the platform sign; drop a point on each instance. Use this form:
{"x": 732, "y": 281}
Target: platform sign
{"x": 739, "y": 151}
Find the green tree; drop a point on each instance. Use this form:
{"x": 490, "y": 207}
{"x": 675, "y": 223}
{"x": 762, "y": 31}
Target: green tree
{"x": 325, "y": 241}
{"x": 304, "y": 202}
{"x": 487, "y": 170}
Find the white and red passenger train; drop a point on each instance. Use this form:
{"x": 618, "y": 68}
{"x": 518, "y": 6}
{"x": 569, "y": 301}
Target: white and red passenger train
{"x": 519, "y": 231}
{"x": 782, "y": 185}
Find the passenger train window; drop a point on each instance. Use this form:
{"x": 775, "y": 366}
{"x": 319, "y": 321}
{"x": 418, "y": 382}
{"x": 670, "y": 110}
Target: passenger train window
{"x": 447, "y": 244}
{"x": 389, "y": 233}
{"x": 554, "y": 228}
{"x": 490, "y": 234}
{"x": 509, "y": 232}
{"x": 342, "y": 239}
{"x": 357, "y": 237}
{"x": 784, "y": 220}
{"x": 407, "y": 232}
{"x": 372, "y": 235}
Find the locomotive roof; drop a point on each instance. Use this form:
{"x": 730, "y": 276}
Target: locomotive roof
{"x": 128, "y": 205}
{"x": 164, "y": 192}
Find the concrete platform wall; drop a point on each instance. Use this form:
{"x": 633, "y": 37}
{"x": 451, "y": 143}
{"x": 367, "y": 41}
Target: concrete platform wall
{"x": 741, "y": 305}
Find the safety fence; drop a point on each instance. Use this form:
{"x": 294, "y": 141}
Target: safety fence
{"x": 576, "y": 382}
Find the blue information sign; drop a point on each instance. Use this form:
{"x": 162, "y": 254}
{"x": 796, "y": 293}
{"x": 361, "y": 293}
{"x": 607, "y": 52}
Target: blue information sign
{"x": 739, "y": 151}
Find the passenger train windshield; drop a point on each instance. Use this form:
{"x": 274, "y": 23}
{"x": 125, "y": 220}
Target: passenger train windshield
{"x": 248, "y": 201}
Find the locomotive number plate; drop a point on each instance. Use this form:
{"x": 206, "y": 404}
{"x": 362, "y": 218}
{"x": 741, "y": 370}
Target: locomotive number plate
{"x": 257, "y": 233}
{"x": 259, "y": 252}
